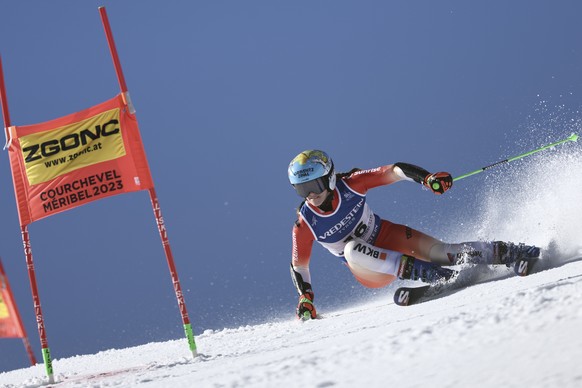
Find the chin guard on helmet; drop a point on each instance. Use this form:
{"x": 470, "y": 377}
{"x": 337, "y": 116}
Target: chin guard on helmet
{"x": 332, "y": 179}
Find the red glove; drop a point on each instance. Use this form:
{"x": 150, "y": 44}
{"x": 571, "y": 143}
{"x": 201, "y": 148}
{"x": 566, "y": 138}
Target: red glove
{"x": 439, "y": 182}
{"x": 305, "y": 308}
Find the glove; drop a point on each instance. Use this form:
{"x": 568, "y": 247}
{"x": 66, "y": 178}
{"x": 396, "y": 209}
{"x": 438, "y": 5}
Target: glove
{"x": 305, "y": 307}
{"x": 439, "y": 182}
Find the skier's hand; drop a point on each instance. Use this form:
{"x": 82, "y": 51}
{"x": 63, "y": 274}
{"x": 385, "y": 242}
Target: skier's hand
{"x": 305, "y": 307}
{"x": 439, "y": 182}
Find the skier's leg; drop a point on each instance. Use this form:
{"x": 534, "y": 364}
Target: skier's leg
{"x": 482, "y": 252}
{"x": 405, "y": 239}
{"x": 377, "y": 267}
{"x": 477, "y": 252}
{"x": 373, "y": 267}
{"x": 412, "y": 242}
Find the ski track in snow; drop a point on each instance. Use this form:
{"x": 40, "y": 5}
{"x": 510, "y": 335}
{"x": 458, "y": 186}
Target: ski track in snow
{"x": 506, "y": 331}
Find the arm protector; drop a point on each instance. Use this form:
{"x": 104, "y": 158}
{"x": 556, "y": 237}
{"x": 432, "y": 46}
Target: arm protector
{"x": 301, "y": 286}
{"x": 410, "y": 171}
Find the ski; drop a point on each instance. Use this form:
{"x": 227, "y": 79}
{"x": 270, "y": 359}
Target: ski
{"x": 525, "y": 266}
{"x": 405, "y": 296}
{"x": 409, "y": 295}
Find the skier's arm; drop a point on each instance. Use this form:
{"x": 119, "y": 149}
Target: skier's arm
{"x": 362, "y": 181}
{"x": 302, "y": 245}
{"x": 305, "y": 308}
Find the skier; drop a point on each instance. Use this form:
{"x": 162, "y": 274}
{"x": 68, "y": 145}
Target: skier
{"x": 335, "y": 214}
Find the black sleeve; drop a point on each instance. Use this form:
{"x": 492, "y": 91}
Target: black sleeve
{"x": 417, "y": 174}
{"x": 302, "y": 287}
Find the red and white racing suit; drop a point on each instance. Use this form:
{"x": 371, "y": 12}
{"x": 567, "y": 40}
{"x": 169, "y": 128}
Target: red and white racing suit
{"x": 350, "y": 218}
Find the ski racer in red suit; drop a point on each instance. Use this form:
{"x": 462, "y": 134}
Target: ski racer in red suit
{"x": 336, "y": 215}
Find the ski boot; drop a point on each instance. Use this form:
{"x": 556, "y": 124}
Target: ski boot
{"x": 414, "y": 269}
{"x": 508, "y": 253}
{"x": 522, "y": 257}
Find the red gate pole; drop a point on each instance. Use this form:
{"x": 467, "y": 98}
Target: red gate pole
{"x": 116, "y": 62}
{"x": 28, "y": 348}
{"x": 153, "y": 196}
{"x": 4, "y": 102}
{"x": 46, "y": 354}
{"x": 173, "y": 272}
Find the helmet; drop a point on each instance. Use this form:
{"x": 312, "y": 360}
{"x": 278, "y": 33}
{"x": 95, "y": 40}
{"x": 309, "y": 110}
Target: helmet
{"x": 311, "y": 172}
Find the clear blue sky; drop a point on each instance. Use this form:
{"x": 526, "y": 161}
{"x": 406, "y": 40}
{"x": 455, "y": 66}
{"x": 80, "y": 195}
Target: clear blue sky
{"x": 227, "y": 93}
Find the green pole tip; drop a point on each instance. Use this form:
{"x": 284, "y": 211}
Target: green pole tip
{"x": 573, "y": 137}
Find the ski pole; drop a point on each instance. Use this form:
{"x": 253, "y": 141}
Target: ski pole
{"x": 572, "y": 137}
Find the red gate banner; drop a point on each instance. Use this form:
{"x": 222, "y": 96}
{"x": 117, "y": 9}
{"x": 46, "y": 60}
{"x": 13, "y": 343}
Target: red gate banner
{"x": 76, "y": 159}
{"x": 10, "y": 323}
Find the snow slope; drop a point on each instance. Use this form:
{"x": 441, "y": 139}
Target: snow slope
{"x": 506, "y": 331}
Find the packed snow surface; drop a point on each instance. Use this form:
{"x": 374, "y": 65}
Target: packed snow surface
{"x": 505, "y": 331}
